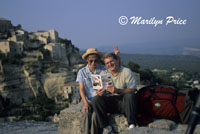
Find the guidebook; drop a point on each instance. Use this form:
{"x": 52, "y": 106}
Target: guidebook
{"x": 101, "y": 81}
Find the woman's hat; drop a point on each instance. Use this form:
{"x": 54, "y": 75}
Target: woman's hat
{"x": 92, "y": 51}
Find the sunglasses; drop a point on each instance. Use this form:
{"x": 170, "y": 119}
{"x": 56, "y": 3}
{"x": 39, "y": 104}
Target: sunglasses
{"x": 95, "y": 61}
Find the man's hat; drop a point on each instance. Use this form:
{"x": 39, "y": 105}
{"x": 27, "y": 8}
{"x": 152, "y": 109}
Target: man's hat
{"x": 91, "y": 51}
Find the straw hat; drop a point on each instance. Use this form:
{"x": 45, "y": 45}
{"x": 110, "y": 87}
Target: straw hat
{"x": 92, "y": 51}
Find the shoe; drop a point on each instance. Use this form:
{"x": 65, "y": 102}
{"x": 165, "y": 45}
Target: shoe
{"x": 132, "y": 126}
{"x": 107, "y": 130}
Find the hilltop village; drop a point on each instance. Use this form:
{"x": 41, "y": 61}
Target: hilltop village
{"x": 36, "y": 64}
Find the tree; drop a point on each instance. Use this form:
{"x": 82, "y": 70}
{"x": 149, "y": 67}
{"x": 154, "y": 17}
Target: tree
{"x": 163, "y": 78}
{"x": 133, "y": 66}
{"x": 147, "y": 75}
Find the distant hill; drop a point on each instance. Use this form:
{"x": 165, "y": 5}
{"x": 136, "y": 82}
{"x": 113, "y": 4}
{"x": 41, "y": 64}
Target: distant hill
{"x": 178, "y": 47}
{"x": 187, "y": 63}
{"x": 180, "y": 62}
{"x": 182, "y": 54}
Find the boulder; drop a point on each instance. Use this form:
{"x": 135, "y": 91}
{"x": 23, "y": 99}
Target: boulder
{"x": 70, "y": 120}
{"x": 70, "y": 123}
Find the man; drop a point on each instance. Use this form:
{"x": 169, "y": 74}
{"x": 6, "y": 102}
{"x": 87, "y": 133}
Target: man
{"x": 125, "y": 102}
{"x": 92, "y": 56}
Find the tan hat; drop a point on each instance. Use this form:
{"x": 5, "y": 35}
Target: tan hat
{"x": 92, "y": 51}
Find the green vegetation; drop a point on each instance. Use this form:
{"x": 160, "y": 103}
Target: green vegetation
{"x": 68, "y": 43}
{"x": 64, "y": 41}
{"x": 167, "y": 62}
{"x": 15, "y": 60}
{"x": 145, "y": 74}
{"x": 39, "y": 108}
{"x": 164, "y": 77}
{"x": 2, "y": 56}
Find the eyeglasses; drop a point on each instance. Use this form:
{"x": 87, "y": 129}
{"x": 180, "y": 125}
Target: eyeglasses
{"x": 95, "y": 61}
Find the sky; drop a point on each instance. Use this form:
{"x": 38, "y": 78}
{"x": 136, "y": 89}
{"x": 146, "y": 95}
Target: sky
{"x": 92, "y": 23}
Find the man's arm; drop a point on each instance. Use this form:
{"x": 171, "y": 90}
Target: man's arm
{"x": 117, "y": 53}
{"x": 129, "y": 81}
{"x": 113, "y": 89}
{"x": 125, "y": 91}
{"x": 82, "y": 93}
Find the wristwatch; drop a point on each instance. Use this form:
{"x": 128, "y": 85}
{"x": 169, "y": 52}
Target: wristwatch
{"x": 119, "y": 91}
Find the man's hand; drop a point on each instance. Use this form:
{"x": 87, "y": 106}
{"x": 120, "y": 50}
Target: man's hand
{"x": 111, "y": 89}
{"x": 85, "y": 108}
{"x": 116, "y": 51}
{"x": 100, "y": 92}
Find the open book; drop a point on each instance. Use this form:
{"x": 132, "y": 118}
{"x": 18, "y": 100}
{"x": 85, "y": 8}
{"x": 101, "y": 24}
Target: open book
{"x": 101, "y": 81}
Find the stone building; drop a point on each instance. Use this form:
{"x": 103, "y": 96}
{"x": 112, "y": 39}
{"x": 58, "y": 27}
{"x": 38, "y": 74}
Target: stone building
{"x": 18, "y": 35}
{"x": 47, "y": 36}
{"x": 16, "y": 38}
{"x": 10, "y": 48}
{"x": 57, "y": 50}
{"x": 5, "y": 25}
{"x": 22, "y": 32}
{"x": 53, "y": 35}
{"x": 74, "y": 93}
{"x": 43, "y": 40}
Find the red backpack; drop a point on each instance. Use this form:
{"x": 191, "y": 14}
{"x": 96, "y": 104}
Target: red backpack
{"x": 159, "y": 102}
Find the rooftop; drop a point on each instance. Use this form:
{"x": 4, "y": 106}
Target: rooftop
{"x": 4, "y": 19}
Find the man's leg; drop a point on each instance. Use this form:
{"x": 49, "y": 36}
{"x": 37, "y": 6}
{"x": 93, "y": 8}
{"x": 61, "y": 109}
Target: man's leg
{"x": 95, "y": 129}
{"x": 86, "y": 122}
{"x": 128, "y": 107}
{"x": 99, "y": 107}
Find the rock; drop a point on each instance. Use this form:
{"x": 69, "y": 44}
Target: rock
{"x": 2, "y": 120}
{"x": 118, "y": 123}
{"x": 70, "y": 123}
{"x": 15, "y": 86}
{"x": 70, "y": 120}
{"x": 55, "y": 118}
{"x": 163, "y": 124}
{"x": 146, "y": 130}
{"x": 28, "y": 127}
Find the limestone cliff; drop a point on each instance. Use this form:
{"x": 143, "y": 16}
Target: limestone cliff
{"x": 20, "y": 82}
{"x": 43, "y": 64}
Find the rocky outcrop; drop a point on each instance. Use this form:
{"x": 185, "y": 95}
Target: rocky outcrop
{"x": 70, "y": 123}
{"x": 56, "y": 82}
{"x": 14, "y": 85}
{"x": 42, "y": 66}
{"x": 20, "y": 82}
